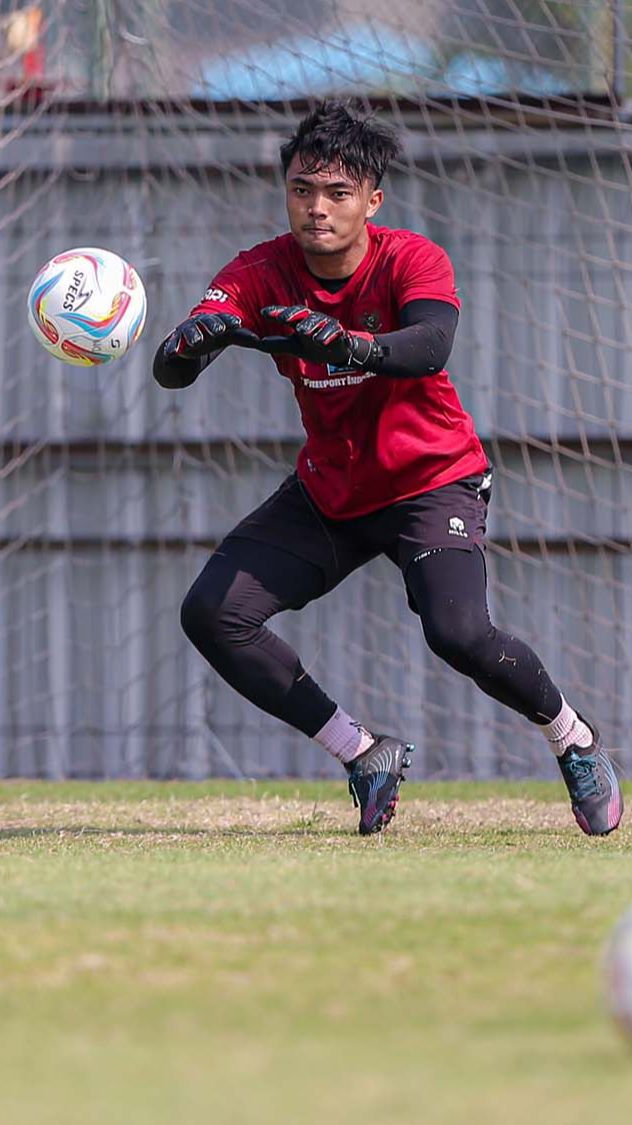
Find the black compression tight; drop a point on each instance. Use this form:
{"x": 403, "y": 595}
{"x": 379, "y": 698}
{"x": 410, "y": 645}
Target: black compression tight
{"x": 224, "y": 613}
{"x": 449, "y": 589}
{"x": 245, "y": 583}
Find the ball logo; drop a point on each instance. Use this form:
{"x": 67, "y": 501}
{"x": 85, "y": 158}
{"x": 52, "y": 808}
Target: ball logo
{"x": 76, "y": 296}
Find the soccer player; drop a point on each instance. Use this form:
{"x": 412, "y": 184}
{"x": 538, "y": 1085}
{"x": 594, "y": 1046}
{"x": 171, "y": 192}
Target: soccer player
{"x": 360, "y": 319}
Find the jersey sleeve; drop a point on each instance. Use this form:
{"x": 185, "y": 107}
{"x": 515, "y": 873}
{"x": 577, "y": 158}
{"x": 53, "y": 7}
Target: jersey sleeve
{"x": 233, "y": 290}
{"x": 423, "y": 271}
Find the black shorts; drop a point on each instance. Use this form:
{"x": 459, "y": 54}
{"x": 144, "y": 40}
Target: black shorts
{"x": 451, "y": 516}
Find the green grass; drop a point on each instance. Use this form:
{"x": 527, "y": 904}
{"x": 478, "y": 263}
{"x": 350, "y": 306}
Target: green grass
{"x": 109, "y": 791}
{"x": 233, "y": 954}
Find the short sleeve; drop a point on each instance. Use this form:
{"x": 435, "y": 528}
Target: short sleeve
{"x": 423, "y": 271}
{"x": 232, "y": 290}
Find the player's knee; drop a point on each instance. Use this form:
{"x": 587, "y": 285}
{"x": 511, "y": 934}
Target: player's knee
{"x": 460, "y": 640}
{"x": 201, "y": 615}
{"x": 215, "y": 619}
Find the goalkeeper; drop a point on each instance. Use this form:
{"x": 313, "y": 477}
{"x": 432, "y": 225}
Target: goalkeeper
{"x": 360, "y": 319}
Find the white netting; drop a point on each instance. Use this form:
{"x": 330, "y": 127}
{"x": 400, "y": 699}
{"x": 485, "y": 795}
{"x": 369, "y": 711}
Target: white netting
{"x": 153, "y": 129}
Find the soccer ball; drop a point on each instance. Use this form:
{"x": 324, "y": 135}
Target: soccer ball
{"x": 617, "y": 966}
{"x": 87, "y": 306}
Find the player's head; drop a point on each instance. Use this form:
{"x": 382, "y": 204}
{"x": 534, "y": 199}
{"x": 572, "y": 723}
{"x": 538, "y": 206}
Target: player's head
{"x": 334, "y": 164}
{"x": 336, "y": 134}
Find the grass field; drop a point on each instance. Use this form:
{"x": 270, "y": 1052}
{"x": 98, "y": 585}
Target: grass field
{"x": 235, "y": 954}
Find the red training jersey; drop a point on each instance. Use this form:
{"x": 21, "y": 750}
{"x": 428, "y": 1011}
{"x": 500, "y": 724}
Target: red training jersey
{"x": 371, "y": 439}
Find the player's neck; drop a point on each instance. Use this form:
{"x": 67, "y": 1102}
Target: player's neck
{"x": 344, "y": 264}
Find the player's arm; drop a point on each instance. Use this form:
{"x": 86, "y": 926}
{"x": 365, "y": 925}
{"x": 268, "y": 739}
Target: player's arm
{"x": 423, "y": 344}
{"x": 420, "y": 347}
{"x": 424, "y": 289}
{"x": 422, "y": 285}
{"x": 227, "y": 315}
{"x": 195, "y": 343}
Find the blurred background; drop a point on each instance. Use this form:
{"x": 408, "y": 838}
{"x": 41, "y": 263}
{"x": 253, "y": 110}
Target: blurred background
{"x": 153, "y": 130}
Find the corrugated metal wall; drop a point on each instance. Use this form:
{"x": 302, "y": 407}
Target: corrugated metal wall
{"x": 114, "y": 491}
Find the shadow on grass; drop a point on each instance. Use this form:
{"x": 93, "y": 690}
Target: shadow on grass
{"x": 506, "y": 840}
{"x": 296, "y": 830}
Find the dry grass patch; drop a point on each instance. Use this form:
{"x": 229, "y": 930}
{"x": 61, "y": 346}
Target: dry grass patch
{"x": 222, "y": 816}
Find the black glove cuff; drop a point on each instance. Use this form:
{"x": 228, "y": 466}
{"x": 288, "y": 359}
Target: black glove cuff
{"x": 364, "y": 353}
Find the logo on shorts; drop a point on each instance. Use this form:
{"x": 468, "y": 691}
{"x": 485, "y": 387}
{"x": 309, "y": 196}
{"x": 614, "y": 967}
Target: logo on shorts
{"x": 457, "y": 527}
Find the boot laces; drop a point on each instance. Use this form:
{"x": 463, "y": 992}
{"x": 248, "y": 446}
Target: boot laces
{"x": 583, "y": 770}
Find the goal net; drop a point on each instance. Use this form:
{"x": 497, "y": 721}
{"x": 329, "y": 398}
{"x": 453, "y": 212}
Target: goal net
{"x": 153, "y": 129}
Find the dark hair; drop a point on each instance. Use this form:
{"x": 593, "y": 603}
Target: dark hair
{"x": 336, "y": 133}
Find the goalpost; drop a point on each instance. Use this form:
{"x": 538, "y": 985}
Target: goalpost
{"x": 153, "y": 129}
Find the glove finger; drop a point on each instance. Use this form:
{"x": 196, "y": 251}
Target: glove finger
{"x": 286, "y": 314}
{"x": 312, "y": 324}
{"x": 217, "y": 324}
{"x": 171, "y": 344}
{"x": 191, "y": 334}
{"x": 230, "y": 320}
{"x": 315, "y": 325}
{"x": 210, "y": 327}
{"x": 328, "y": 333}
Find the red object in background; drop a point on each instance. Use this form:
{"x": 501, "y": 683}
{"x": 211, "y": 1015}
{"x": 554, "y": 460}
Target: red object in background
{"x": 23, "y": 37}
{"x": 34, "y": 62}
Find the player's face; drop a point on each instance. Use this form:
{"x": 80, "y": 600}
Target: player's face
{"x": 328, "y": 210}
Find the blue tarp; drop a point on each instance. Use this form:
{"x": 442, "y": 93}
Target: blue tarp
{"x": 299, "y": 67}
{"x": 471, "y": 76}
{"x": 364, "y": 58}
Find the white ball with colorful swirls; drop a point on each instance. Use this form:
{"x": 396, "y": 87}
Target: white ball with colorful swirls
{"x": 87, "y": 306}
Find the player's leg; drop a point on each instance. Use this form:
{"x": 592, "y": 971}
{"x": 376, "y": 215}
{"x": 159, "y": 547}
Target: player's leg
{"x": 225, "y": 615}
{"x": 448, "y": 589}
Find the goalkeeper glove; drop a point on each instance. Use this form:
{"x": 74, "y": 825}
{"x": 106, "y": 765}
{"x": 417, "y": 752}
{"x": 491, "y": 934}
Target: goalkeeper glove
{"x": 205, "y": 333}
{"x": 322, "y": 339}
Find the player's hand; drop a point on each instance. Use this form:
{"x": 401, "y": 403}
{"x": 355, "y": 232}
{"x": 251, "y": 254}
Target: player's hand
{"x": 206, "y": 333}
{"x": 320, "y": 338}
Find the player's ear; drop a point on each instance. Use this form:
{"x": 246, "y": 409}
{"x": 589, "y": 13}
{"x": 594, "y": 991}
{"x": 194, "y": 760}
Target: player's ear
{"x": 374, "y": 203}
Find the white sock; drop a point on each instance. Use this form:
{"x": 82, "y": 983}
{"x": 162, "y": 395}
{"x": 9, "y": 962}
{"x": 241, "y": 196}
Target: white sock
{"x": 344, "y": 737}
{"x": 567, "y": 730}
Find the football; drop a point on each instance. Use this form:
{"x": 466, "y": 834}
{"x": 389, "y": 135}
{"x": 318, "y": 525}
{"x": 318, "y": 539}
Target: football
{"x": 617, "y": 966}
{"x": 87, "y": 306}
